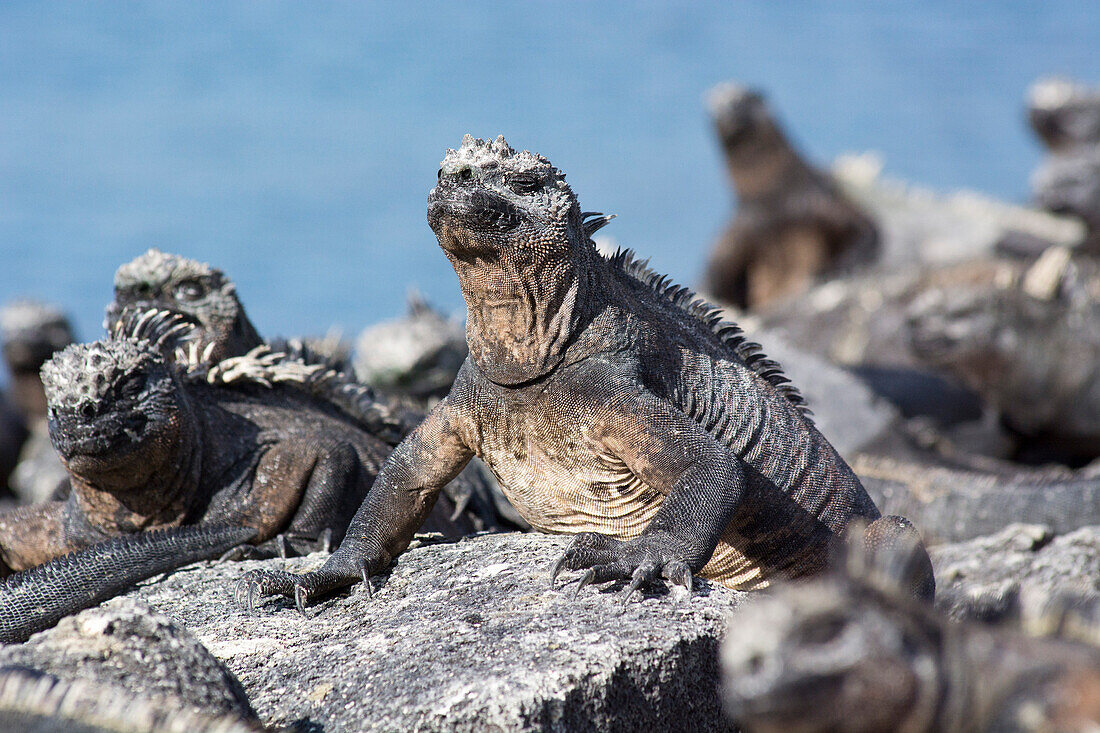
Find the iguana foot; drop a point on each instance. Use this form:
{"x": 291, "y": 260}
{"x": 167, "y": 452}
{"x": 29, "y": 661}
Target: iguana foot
{"x": 641, "y": 561}
{"x": 302, "y": 588}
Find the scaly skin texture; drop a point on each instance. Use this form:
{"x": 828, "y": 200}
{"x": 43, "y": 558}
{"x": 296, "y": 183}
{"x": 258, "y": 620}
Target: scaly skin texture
{"x": 204, "y": 297}
{"x": 847, "y": 654}
{"x": 147, "y": 446}
{"x": 793, "y": 225}
{"x": 608, "y": 403}
{"x": 38, "y": 598}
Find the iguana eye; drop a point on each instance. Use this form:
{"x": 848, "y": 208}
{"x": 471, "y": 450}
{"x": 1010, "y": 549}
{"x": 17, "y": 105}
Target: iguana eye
{"x": 190, "y": 290}
{"x": 132, "y": 386}
{"x": 524, "y": 183}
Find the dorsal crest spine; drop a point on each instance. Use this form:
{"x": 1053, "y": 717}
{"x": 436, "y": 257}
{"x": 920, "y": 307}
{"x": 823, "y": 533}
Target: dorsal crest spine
{"x": 729, "y": 333}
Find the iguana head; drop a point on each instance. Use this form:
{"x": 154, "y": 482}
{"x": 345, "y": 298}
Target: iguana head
{"x": 116, "y": 412}
{"x": 196, "y": 291}
{"x": 826, "y": 655}
{"x": 32, "y": 331}
{"x": 744, "y": 122}
{"x": 514, "y": 232}
{"x": 1024, "y": 339}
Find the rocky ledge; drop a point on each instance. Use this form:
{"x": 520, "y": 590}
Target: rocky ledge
{"x": 462, "y": 636}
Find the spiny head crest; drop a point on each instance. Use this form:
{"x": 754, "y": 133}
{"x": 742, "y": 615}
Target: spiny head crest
{"x": 521, "y": 184}
{"x": 155, "y": 269}
{"x": 86, "y": 374}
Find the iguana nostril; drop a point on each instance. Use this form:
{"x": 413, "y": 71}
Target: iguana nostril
{"x": 87, "y": 410}
{"x": 465, "y": 174}
{"x": 439, "y": 175}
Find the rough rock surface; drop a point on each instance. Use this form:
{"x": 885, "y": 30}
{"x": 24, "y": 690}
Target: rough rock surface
{"x": 463, "y": 636}
{"x": 128, "y": 647}
{"x": 1017, "y": 572}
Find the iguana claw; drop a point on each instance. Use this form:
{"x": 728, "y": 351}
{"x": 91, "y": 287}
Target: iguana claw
{"x": 558, "y": 567}
{"x": 300, "y": 599}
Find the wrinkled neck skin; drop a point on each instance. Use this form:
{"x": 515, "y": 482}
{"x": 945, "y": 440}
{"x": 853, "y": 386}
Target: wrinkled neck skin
{"x": 760, "y": 164}
{"x": 142, "y": 494}
{"x": 523, "y": 312}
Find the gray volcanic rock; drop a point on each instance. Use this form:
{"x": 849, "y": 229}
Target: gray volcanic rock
{"x": 463, "y": 636}
{"x": 1020, "y": 571}
{"x": 127, "y": 647}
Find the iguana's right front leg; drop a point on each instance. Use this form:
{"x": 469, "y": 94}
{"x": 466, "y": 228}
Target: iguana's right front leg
{"x": 395, "y": 507}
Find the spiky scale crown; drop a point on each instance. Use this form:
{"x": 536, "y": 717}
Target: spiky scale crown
{"x": 156, "y": 267}
{"x": 498, "y": 165}
{"x": 26, "y": 318}
{"x": 83, "y": 374}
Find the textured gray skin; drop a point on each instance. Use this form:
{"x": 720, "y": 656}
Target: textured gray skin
{"x": 464, "y": 637}
{"x": 128, "y": 646}
{"x": 954, "y": 504}
{"x": 152, "y": 444}
{"x": 204, "y": 297}
{"x": 610, "y": 403}
{"x": 36, "y": 599}
{"x": 852, "y": 654}
{"x": 1018, "y": 573}
{"x": 32, "y": 702}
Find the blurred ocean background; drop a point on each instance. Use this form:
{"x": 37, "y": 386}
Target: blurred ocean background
{"x": 293, "y": 144}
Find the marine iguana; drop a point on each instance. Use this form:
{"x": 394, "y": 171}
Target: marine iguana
{"x": 852, "y": 653}
{"x": 31, "y": 332}
{"x": 1027, "y": 339}
{"x": 610, "y": 404}
{"x": 793, "y": 226}
{"x": 150, "y": 444}
{"x": 204, "y": 297}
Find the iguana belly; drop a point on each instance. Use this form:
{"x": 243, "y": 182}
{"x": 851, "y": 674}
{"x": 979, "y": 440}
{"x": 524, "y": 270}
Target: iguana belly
{"x": 561, "y": 495}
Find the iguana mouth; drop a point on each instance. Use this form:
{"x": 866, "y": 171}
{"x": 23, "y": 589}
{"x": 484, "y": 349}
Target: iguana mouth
{"x": 472, "y": 207}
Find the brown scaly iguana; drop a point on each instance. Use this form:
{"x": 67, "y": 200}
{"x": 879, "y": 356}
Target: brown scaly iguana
{"x": 852, "y": 653}
{"x": 153, "y": 444}
{"x": 610, "y": 405}
{"x": 793, "y": 226}
{"x": 206, "y": 298}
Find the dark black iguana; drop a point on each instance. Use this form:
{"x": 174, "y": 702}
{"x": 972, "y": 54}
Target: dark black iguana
{"x": 206, "y": 299}
{"x": 793, "y": 227}
{"x": 609, "y": 403}
{"x": 852, "y": 653}
{"x": 150, "y": 444}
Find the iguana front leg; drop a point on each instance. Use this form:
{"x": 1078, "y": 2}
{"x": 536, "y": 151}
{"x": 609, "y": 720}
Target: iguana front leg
{"x": 396, "y": 506}
{"x": 702, "y": 481}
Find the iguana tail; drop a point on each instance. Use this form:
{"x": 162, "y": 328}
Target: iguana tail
{"x": 37, "y": 598}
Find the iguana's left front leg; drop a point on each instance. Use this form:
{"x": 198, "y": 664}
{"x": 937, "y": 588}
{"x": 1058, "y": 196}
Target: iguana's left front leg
{"x": 702, "y": 481}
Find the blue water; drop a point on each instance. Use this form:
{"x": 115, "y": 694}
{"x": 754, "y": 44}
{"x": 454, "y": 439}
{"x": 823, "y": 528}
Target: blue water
{"x": 293, "y": 144}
